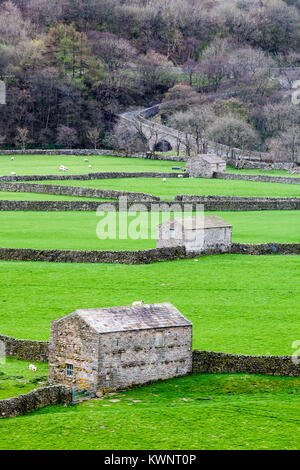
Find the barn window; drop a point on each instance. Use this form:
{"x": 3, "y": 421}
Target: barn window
{"x": 69, "y": 370}
{"x": 172, "y": 233}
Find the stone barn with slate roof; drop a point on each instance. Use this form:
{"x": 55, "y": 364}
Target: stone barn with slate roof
{"x": 113, "y": 348}
{"x": 205, "y": 165}
{"x": 207, "y": 233}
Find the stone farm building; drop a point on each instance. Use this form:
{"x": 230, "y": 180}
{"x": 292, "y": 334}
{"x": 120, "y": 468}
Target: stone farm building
{"x": 205, "y": 165}
{"x": 116, "y": 347}
{"x": 199, "y": 233}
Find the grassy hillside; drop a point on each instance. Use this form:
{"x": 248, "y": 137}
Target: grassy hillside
{"x": 49, "y": 164}
{"x": 237, "y": 303}
{"x": 17, "y": 379}
{"x": 199, "y": 186}
{"x": 77, "y": 230}
{"x": 196, "y": 412}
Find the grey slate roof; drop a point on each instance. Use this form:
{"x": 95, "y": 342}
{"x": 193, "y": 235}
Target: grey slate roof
{"x": 210, "y": 158}
{"x": 190, "y": 223}
{"x": 138, "y": 317}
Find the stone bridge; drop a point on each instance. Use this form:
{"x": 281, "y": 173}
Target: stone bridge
{"x": 159, "y": 137}
{"x": 164, "y": 138}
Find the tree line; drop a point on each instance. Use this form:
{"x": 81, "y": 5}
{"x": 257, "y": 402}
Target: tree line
{"x": 70, "y": 66}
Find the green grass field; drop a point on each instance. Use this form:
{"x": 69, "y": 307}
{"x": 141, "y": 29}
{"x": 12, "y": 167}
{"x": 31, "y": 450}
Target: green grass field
{"x": 198, "y": 186}
{"x": 16, "y": 378}
{"x": 196, "y": 412}
{"x": 254, "y": 171}
{"x": 237, "y": 303}
{"x": 77, "y": 230}
{"x": 49, "y": 164}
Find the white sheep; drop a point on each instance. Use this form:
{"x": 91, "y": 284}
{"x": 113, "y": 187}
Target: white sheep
{"x": 90, "y": 166}
{"x": 164, "y": 180}
{"x": 32, "y": 367}
{"x": 138, "y": 303}
{"x": 180, "y": 176}
{"x": 86, "y": 160}
{"x": 13, "y": 173}
{"x": 12, "y": 158}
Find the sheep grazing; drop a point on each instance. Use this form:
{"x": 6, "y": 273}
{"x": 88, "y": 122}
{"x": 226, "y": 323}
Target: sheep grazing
{"x": 63, "y": 168}
{"x": 138, "y": 303}
{"x": 32, "y": 367}
{"x": 86, "y": 160}
{"x": 13, "y": 173}
{"x": 164, "y": 180}
{"x": 12, "y": 158}
{"x": 90, "y": 166}
{"x": 180, "y": 176}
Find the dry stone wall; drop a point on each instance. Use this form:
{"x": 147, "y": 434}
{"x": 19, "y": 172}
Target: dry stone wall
{"x": 68, "y": 152}
{"x": 261, "y": 178}
{"x": 34, "y": 400}
{"x": 210, "y": 362}
{"x": 74, "y": 191}
{"x": 211, "y": 203}
{"x": 25, "y": 349}
{"x": 141, "y": 256}
{"x": 91, "y": 152}
{"x": 266, "y": 249}
{"x": 244, "y": 163}
{"x": 236, "y": 203}
{"x": 91, "y": 176}
{"x": 81, "y": 256}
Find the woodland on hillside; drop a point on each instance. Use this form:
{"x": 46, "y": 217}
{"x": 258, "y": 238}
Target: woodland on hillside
{"x": 71, "y": 65}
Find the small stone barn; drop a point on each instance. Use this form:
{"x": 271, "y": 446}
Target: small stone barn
{"x": 205, "y": 165}
{"x": 116, "y": 347}
{"x": 206, "y": 233}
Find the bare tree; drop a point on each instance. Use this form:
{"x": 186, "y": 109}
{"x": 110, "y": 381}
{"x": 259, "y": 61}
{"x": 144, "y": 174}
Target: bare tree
{"x": 115, "y": 54}
{"x": 128, "y": 137}
{"x": 94, "y": 136}
{"x": 191, "y": 67}
{"x": 233, "y": 132}
{"x": 22, "y": 138}
{"x": 199, "y": 121}
{"x": 182, "y": 123}
{"x": 66, "y": 136}
{"x": 286, "y": 146}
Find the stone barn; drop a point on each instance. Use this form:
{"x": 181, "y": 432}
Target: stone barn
{"x": 198, "y": 233}
{"x": 205, "y": 165}
{"x": 113, "y": 348}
